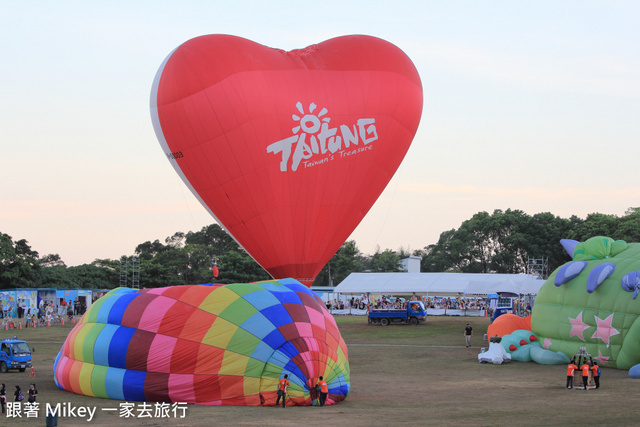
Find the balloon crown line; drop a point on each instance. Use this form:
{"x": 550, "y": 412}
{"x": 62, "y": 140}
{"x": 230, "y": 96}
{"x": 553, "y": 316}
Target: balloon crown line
{"x": 299, "y": 53}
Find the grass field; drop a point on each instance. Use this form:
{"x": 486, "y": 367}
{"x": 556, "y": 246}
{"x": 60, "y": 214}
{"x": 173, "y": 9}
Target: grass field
{"x": 400, "y": 374}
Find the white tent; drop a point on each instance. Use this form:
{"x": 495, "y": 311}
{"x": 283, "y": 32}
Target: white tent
{"x": 439, "y": 284}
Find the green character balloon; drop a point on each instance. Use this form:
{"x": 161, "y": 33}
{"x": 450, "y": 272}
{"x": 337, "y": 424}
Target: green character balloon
{"x": 591, "y": 302}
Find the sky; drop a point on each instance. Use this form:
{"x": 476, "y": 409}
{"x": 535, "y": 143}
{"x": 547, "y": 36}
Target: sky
{"x": 527, "y": 105}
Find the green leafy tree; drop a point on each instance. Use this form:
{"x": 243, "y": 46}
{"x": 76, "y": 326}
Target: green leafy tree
{"x": 175, "y": 241}
{"x": 215, "y": 237}
{"x": 51, "y": 260}
{"x": 56, "y": 277}
{"x": 545, "y": 231}
{"x": 387, "y": 261}
{"x": 510, "y": 230}
{"x": 629, "y": 226}
{"x": 18, "y": 263}
{"x": 239, "y": 267}
{"x": 445, "y": 254}
{"x": 596, "y": 224}
{"x": 502, "y": 242}
{"x": 346, "y": 260}
{"x": 148, "y": 249}
{"x": 163, "y": 266}
{"x": 187, "y": 259}
{"x": 93, "y": 276}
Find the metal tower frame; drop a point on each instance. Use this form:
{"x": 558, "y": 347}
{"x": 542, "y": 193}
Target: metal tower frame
{"x": 135, "y": 273}
{"x": 124, "y": 272}
{"x": 539, "y": 266}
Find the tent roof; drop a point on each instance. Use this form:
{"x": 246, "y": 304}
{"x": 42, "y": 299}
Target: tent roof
{"x": 440, "y": 284}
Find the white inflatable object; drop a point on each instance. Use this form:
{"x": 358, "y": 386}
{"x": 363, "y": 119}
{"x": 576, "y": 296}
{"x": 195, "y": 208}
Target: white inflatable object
{"x": 496, "y": 354}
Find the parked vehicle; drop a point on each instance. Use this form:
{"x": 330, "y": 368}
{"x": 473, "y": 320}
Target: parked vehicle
{"x": 14, "y": 354}
{"x": 414, "y": 314}
{"x": 500, "y": 306}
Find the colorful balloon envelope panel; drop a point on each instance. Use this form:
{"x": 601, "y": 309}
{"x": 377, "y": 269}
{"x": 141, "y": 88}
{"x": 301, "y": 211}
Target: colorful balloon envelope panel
{"x": 206, "y": 344}
{"x": 287, "y": 150}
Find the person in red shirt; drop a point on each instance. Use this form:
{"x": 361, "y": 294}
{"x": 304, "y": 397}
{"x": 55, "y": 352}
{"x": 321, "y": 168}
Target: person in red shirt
{"x": 585, "y": 373}
{"x": 596, "y": 375}
{"x": 282, "y": 390}
{"x": 324, "y": 390}
{"x": 570, "y": 370}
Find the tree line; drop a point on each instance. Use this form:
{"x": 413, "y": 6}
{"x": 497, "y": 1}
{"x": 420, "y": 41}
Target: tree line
{"x": 500, "y": 242}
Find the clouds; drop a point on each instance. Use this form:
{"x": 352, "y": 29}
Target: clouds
{"x": 528, "y": 106}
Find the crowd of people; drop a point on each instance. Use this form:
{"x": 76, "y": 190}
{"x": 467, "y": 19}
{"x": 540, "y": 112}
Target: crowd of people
{"x": 46, "y": 312}
{"x": 58, "y": 308}
{"x": 452, "y": 303}
{"x": 356, "y": 303}
{"x": 521, "y": 307}
{"x": 458, "y": 303}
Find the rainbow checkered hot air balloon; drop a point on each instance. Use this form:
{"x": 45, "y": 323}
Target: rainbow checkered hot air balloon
{"x": 206, "y": 344}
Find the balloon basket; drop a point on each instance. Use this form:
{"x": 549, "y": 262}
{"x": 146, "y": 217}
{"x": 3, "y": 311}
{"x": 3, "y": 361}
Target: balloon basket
{"x": 578, "y": 384}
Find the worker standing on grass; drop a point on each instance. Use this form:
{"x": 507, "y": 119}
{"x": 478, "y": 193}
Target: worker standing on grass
{"x": 570, "y": 370}
{"x": 585, "y": 373}
{"x": 596, "y": 374}
{"x": 324, "y": 390}
{"x": 468, "y": 333}
{"x": 282, "y": 390}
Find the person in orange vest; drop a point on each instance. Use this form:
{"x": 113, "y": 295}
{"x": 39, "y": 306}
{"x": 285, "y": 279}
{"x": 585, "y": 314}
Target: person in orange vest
{"x": 570, "y": 370}
{"x": 596, "y": 373}
{"x": 585, "y": 373}
{"x": 282, "y": 389}
{"x": 324, "y": 390}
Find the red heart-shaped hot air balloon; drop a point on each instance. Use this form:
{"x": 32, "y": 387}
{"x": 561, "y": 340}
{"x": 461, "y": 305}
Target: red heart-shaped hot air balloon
{"x": 287, "y": 150}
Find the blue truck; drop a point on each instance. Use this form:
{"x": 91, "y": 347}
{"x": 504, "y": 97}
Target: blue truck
{"x": 414, "y": 314}
{"x": 14, "y": 354}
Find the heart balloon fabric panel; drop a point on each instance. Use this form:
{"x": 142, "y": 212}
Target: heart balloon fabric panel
{"x": 287, "y": 150}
